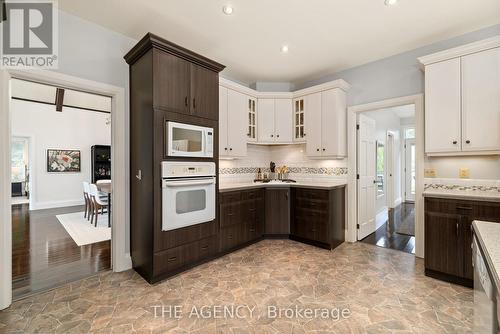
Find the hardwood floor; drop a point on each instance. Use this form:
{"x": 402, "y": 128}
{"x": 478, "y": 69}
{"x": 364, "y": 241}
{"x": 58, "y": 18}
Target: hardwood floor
{"x": 401, "y": 218}
{"x": 45, "y": 256}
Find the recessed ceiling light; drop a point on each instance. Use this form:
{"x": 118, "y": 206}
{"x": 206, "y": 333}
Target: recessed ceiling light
{"x": 228, "y": 10}
{"x": 284, "y": 49}
{"x": 390, "y": 2}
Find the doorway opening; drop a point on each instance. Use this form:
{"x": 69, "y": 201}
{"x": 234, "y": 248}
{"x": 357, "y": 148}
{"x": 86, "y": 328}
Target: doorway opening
{"x": 386, "y": 177}
{"x": 61, "y": 185}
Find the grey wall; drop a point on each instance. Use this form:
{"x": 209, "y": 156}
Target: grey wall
{"x": 92, "y": 52}
{"x": 395, "y": 76}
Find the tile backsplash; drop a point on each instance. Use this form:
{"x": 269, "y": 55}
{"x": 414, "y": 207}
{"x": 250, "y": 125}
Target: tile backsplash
{"x": 293, "y": 156}
{"x": 461, "y": 184}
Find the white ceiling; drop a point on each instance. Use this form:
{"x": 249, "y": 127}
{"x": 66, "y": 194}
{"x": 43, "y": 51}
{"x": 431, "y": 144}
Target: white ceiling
{"x": 324, "y": 36}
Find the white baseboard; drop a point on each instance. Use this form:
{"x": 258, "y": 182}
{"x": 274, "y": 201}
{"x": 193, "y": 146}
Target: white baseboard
{"x": 381, "y": 217}
{"x": 55, "y": 204}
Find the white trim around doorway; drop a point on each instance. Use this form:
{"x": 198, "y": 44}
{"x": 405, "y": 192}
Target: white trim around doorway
{"x": 119, "y": 168}
{"x": 352, "y": 112}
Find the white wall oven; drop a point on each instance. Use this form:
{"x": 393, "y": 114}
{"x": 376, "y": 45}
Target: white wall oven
{"x": 188, "y": 194}
{"x": 186, "y": 140}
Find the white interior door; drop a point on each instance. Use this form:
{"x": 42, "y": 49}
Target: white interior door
{"x": 410, "y": 176}
{"x": 366, "y": 181}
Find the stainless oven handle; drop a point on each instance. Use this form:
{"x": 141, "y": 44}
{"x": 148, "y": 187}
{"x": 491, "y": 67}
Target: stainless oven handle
{"x": 188, "y": 183}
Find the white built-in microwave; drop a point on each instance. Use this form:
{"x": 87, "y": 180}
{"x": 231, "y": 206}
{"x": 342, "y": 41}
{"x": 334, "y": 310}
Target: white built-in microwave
{"x": 186, "y": 140}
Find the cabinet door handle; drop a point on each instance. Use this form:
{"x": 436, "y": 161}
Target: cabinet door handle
{"x": 467, "y": 141}
{"x": 225, "y": 148}
{"x": 173, "y": 258}
{"x": 278, "y": 136}
{"x": 194, "y": 103}
{"x": 324, "y": 149}
{"x": 464, "y": 208}
{"x": 186, "y": 101}
{"x": 139, "y": 175}
{"x": 252, "y": 230}
{"x": 230, "y": 149}
{"x": 204, "y": 247}
{"x": 272, "y": 136}
{"x": 457, "y": 229}
{"x": 455, "y": 142}
{"x": 317, "y": 149}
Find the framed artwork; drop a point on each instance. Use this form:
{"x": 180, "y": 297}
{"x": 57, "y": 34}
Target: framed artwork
{"x": 63, "y": 161}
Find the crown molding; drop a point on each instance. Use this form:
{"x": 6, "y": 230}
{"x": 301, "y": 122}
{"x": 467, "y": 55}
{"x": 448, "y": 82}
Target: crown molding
{"x": 463, "y": 50}
{"x": 341, "y": 84}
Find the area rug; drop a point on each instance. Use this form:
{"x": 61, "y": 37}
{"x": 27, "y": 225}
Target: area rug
{"x": 82, "y": 232}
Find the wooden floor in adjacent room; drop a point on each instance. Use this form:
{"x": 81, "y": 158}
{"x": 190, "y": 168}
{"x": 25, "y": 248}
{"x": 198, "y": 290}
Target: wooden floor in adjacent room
{"x": 398, "y": 232}
{"x": 45, "y": 256}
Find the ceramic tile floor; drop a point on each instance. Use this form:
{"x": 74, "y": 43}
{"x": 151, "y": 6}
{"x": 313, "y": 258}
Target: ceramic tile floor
{"x": 384, "y": 290}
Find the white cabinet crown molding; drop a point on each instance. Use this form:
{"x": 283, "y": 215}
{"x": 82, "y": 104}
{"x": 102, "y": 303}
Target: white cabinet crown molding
{"x": 463, "y": 50}
{"x": 339, "y": 83}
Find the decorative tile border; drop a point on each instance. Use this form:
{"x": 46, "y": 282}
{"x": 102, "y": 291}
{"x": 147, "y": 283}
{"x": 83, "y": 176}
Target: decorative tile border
{"x": 460, "y": 187}
{"x": 337, "y": 171}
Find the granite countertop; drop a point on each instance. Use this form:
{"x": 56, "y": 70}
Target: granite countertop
{"x": 476, "y": 195}
{"x": 223, "y": 187}
{"x": 488, "y": 234}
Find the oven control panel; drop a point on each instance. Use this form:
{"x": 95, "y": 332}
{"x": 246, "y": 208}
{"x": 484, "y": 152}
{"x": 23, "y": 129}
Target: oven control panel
{"x": 187, "y": 169}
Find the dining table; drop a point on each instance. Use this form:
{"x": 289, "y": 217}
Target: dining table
{"x": 105, "y": 187}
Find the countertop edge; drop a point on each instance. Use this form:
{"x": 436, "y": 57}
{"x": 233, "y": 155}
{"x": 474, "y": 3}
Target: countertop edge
{"x": 286, "y": 185}
{"x": 474, "y": 197}
{"x": 484, "y": 249}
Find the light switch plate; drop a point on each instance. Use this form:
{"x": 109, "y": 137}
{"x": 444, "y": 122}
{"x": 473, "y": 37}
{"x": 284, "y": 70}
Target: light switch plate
{"x": 464, "y": 173}
{"x": 430, "y": 172}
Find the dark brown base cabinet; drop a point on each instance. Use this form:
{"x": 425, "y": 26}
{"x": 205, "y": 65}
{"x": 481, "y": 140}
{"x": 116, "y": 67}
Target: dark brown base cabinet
{"x": 167, "y": 83}
{"x": 318, "y": 216}
{"x": 241, "y": 218}
{"x": 448, "y": 237}
{"x": 312, "y": 216}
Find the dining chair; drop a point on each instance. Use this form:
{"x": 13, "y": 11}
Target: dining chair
{"x": 98, "y": 203}
{"x": 88, "y": 202}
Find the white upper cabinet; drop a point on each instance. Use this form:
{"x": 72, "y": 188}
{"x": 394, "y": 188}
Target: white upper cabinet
{"x": 313, "y": 125}
{"x": 326, "y": 124}
{"x": 442, "y": 107}
{"x": 315, "y": 116}
{"x": 283, "y": 120}
{"x": 481, "y": 101}
{"x": 299, "y": 132}
{"x": 222, "y": 119}
{"x": 265, "y": 120}
{"x": 462, "y": 99}
{"x": 274, "y": 121}
{"x": 334, "y": 123}
{"x": 252, "y": 119}
{"x": 232, "y": 123}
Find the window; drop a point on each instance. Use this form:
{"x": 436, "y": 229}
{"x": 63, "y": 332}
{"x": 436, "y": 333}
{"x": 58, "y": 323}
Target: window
{"x": 409, "y": 133}
{"x": 19, "y": 159}
{"x": 380, "y": 168}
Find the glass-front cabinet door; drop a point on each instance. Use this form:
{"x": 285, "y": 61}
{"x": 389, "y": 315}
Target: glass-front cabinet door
{"x": 252, "y": 119}
{"x": 298, "y": 119}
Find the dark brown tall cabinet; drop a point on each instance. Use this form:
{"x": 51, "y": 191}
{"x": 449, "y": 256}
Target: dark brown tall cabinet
{"x": 167, "y": 83}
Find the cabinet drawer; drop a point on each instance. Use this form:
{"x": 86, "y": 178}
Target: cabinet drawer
{"x": 207, "y": 247}
{"x": 302, "y": 202}
{"x": 252, "y": 194}
{"x": 450, "y": 206}
{"x": 175, "y": 258}
{"x": 230, "y": 197}
{"x": 312, "y": 194}
{"x": 312, "y": 214}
